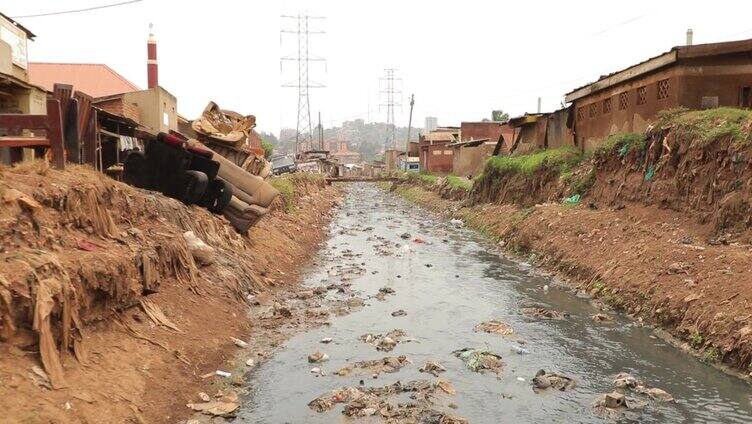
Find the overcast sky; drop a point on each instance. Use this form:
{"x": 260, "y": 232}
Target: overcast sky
{"x": 460, "y": 59}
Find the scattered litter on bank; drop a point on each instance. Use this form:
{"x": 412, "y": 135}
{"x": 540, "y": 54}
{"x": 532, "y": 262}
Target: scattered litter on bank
{"x": 480, "y": 360}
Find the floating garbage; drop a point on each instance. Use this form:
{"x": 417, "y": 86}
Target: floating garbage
{"x": 544, "y": 380}
{"x": 318, "y": 356}
{"x": 433, "y": 368}
{"x": 495, "y": 327}
{"x": 480, "y": 360}
{"x": 388, "y": 364}
{"x": 519, "y": 350}
{"x": 399, "y": 313}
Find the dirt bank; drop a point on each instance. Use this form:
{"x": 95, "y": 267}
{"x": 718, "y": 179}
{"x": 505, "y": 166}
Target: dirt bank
{"x": 658, "y": 225}
{"x": 98, "y": 274}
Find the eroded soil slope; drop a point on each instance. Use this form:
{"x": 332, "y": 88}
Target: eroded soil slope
{"x": 105, "y": 315}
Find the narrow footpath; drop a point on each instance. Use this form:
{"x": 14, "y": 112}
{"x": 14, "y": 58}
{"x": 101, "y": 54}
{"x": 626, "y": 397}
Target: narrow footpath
{"x": 458, "y": 332}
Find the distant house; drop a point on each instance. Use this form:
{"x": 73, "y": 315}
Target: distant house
{"x": 535, "y": 131}
{"x": 435, "y": 155}
{"x": 693, "y": 76}
{"x": 343, "y": 155}
{"x": 477, "y": 143}
{"x": 154, "y": 109}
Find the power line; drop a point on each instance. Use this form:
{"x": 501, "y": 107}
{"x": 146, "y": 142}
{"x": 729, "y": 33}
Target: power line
{"x": 389, "y": 91}
{"x": 303, "y": 130}
{"x": 105, "y": 6}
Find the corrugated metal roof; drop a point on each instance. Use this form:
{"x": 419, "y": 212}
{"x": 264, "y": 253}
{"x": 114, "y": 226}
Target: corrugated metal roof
{"x": 440, "y": 136}
{"x": 94, "y": 79}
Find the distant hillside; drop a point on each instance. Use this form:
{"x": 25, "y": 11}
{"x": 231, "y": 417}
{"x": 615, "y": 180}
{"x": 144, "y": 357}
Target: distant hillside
{"x": 364, "y": 138}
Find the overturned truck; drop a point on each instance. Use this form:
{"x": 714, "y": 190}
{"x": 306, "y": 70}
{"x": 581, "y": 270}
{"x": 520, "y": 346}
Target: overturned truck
{"x": 191, "y": 172}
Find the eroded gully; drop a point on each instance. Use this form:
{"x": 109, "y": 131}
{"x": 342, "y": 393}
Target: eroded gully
{"x": 447, "y": 286}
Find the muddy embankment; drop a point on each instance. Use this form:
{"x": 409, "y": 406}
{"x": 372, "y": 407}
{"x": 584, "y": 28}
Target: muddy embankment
{"x": 105, "y": 315}
{"x": 657, "y": 225}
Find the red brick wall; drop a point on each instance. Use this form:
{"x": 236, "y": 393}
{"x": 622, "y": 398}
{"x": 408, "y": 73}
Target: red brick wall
{"x": 436, "y": 158}
{"x": 119, "y": 107}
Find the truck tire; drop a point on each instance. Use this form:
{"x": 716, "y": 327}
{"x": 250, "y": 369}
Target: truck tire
{"x": 217, "y": 196}
{"x": 194, "y": 185}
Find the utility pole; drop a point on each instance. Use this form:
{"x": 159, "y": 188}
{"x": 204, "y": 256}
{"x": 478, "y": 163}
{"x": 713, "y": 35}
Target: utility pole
{"x": 303, "y": 133}
{"x": 410, "y": 123}
{"x": 321, "y": 134}
{"x": 388, "y": 79}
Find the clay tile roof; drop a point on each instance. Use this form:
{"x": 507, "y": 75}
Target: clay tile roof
{"x": 94, "y": 79}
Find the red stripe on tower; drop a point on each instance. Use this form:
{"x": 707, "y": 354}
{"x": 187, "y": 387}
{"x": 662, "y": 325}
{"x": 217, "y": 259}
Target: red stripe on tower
{"x": 152, "y": 72}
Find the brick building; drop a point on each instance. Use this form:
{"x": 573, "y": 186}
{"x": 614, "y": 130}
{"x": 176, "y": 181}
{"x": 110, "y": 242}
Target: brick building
{"x": 435, "y": 155}
{"x": 693, "y": 76}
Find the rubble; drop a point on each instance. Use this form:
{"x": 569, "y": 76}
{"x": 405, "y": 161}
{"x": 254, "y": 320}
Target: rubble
{"x": 480, "y": 360}
{"x": 629, "y": 395}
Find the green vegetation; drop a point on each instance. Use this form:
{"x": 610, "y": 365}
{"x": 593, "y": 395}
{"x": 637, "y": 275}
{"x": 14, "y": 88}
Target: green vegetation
{"x": 706, "y": 126}
{"x": 561, "y": 159}
{"x": 696, "y": 340}
{"x": 422, "y": 176}
{"x": 621, "y": 143}
{"x": 711, "y": 355}
{"x": 459, "y": 183}
{"x": 286, "y": 188}
{"x": 268, "y": 148}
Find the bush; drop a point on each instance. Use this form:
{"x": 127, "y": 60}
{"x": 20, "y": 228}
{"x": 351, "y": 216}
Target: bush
{"x": 561, "y": 159}
{"x": 268, "y": 148}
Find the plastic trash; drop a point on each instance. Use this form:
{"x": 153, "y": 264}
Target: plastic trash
{"x": 519, "y": 350}
{"x": 572, "y": 200}
{"x": 223, "y": 373}
{"x": 457, "y": 222}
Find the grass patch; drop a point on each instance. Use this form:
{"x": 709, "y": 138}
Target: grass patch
{"x": 561, "y": 159}
{"x": 696, "y": 340}
{"x": 621, "y": 144}
{"x": 459, "y": 183}
{"x": 709, "y": 125}
{"x": 711, "y": 355}
{"x": 422, "y": 177}
{"x": 286, "y": 188}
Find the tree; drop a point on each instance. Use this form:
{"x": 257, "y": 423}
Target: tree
{"x": 499, "y": 115}
{"x": 268, "y": 148}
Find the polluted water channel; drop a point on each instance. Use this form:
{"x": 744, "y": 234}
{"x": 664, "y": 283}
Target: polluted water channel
{"x": 457, "y": 332}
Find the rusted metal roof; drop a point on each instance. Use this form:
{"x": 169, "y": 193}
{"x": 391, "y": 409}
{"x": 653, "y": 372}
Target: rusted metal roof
{"x": 94, "y": 79}
{"x": 528, "y": 118}
{"x": 440, "y": 136}
{"x": 657, "y": 62}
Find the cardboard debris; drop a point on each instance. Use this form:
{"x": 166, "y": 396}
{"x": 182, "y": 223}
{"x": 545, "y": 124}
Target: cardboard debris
{"x": 154, "y": 312}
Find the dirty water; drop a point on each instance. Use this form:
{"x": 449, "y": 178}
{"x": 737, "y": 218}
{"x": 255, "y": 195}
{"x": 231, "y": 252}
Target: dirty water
{"x": 447, "y": 286}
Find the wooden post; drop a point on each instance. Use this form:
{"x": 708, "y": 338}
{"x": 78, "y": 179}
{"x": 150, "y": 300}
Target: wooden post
{"x": 55, "y": 133}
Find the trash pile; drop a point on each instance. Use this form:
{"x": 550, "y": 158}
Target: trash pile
{"x": 480, "y": 360}
{"x": 494, "y": 327}
{"x": 375, "y": 401}
{"x": 433, "y": 368}
{"x": 374, "y": 367}
{"x": 385, "y": 342}
{"x": 224, "y": 126}
{"x": 547, "y": 380}
{"x": 629, "y": 396}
